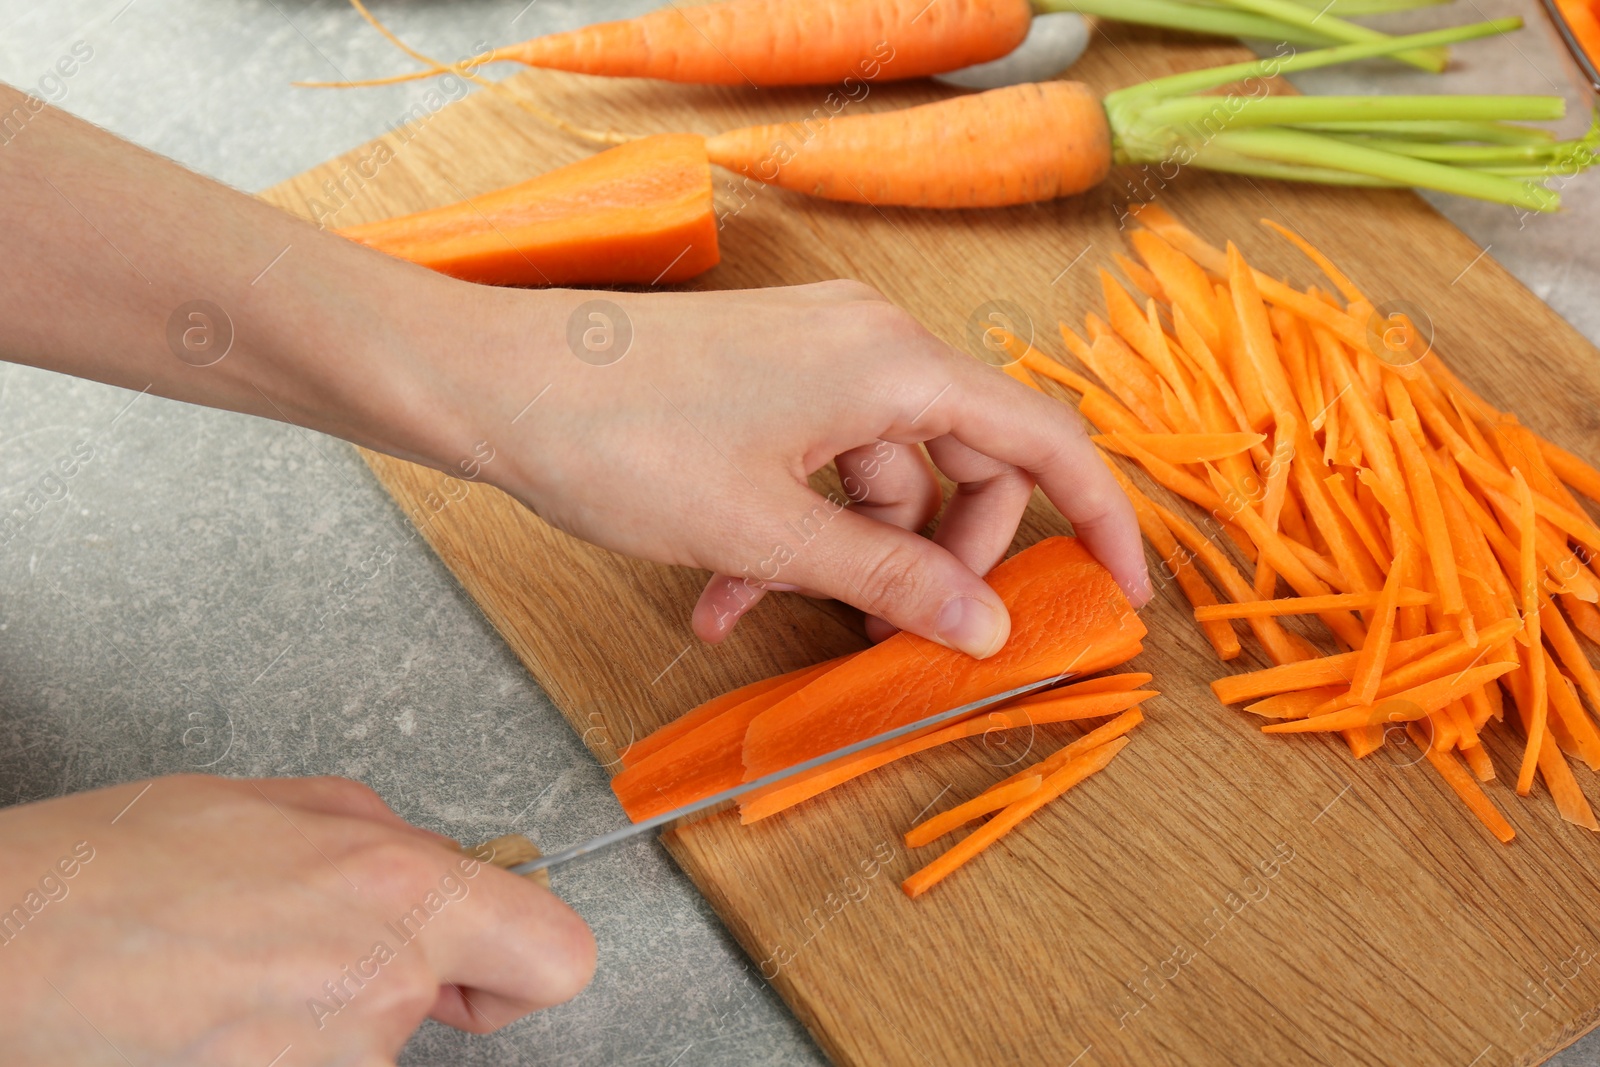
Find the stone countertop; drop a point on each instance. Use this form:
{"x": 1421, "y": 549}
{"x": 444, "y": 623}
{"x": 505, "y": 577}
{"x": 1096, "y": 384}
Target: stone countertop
{"x": 215, "y": 592}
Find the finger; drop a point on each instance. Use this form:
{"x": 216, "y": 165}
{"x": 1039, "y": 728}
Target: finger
{"x": 907, "y": 580}
{"x": 998, "y": 417}
{"x": 331, "y": 795}
{"x": 723, "y": 602}
{"x": 890, "y": 483}
{"x": 982, "y": 516}
{"x": 508, "y": 944}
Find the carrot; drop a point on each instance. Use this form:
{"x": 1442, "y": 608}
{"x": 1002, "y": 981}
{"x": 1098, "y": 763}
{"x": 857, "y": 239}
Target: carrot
{"x": 930, "y": 830}
{"x": 1296, "y": 705}
{"x": 1322, "y": 671}
{"x": 1405, "y": 706}
{"x": 1185, "y": 447}
{"x": 752, "y": 42}
{"x": 1310, "y": 605}
{"x": 1183, "y": 282}
{"x": 1103, "y": 734}
{"x": 1583, "y": 740}
{"x": 1457, "y": 656}
{"x": 1371, "y": 660}
{"x": 1141, "y": 278}
{"x": 762, "y": 803}
{"x": 641, "y": 213}
{"x": 1360, "y": 521}
{"x": 1555, "y": 630}
{"x": 1538, "y": 704}
{"x": 1464, "y": 786}
{"x": 1569, "y": 522}
{"x": 1057, "y": 783}
{"x": 1430, "y": 516}
{"x": 711, "y": 709}
{"x": 1069, "y": 616}
{"x": 1572, "y": 470}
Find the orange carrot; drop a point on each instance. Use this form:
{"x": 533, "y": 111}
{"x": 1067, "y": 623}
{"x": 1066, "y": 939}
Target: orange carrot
{"x": 1322, "y": 671}
{"x": 997, "y": 827}
{"x": 1572, "y": 470}
{"x": 1405, "y": 706}
{"x": 1053, "y": 137}
{"x": 1430, "y": 516}
{"x": 1068, "y": 616}
{"x": 1296, "y": 705}
{"x": 1310, "y": 605}
{"x": 1372, "y": 658}
{"x": 1538, "y": 704}
{"x": 1464, "y": 786}
{"x": 1185, "y": 447}
{"x": 641, "y": 214}
{"x": 1103, "y": 734}
{"x": 1457, "y": 656}
{"x": 930, "y": 830}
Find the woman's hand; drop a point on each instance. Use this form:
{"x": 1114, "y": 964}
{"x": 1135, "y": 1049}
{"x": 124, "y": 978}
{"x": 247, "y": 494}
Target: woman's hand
{"x": 693, "y": 446}
{"x": 196, "y": 920}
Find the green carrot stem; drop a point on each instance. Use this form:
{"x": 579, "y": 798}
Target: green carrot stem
{"x": 1176, "y": 15}
{"x": 1477, "y": 154}
{"x": 1272, "y": 66}
{"x": 1430, "y": 59}
{"x": 1231, "y": 112}
{"x": 1488, "y": 132}
{"x": 1350, "y": 8}
{"x": 1211, "y": 158}
{"x": 1310, "y": 149}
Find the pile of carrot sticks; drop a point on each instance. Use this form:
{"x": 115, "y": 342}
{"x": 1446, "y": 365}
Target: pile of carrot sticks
{"x": 1439, "y": 542}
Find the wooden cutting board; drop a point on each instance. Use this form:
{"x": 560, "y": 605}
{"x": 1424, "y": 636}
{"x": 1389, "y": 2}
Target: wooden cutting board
{"x": 1217, "y": 897}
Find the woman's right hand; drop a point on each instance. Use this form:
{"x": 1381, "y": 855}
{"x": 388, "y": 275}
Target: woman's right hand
{"x": 217, "y": 922}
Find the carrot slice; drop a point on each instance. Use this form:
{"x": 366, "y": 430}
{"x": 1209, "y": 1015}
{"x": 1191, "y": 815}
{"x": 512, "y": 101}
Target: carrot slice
{"x": 930, "y": 830}
{"x": 1565, "y": 644}
{"x": 1068, "y": 616}
{"x": 1296, "y": 705}
{"x": 1100, "y": 735}
{"x": 1478, "y": 760}
{"x": 1456, "y": 656}
{"x": 1311, "y": 605}
{"x": 1372, "y": 658}
{"x": 1371, "y": 539}
{"x": 1572, "y": 470}
{"x": 997, "y": 827}
{"x": 1430, "y": 516}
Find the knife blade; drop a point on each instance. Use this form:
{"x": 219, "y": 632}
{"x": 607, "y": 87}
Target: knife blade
{"x": 606, "y": 840}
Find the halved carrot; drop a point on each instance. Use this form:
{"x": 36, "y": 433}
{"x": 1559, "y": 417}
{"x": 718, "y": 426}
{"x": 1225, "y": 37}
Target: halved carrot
{"x": 930, "y": 830}
{"x": 1310, "y": 605}
{"x": 997, "y": 827}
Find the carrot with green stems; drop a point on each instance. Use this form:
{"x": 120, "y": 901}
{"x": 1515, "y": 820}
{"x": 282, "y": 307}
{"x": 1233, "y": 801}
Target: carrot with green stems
{"x": 762, "y": 44}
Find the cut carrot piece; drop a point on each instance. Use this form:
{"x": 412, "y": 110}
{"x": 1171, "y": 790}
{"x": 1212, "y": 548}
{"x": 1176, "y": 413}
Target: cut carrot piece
{"x": 1296, "y": 705}
{"x": 1371, "y": 539}
{"x": 1430, "y": 516}
{"x": 1572, "y": 470}
{"x": 1405, "y": 706}
{"x": 699, "y": 716}
{"x": 930, "y": 830}
{"x": 1003, "y": 822}
{"x": 1569, "y": 522}
{"x": 1454, "y": 657}
{"x": 1478, "y": 760}
{"x": 1569, "y": 652}
{"x": 1185, "y": 447}
{"x": 1142, "y": 279}
{"x": 1585, "y": 617}
{"x": 1538, "y": 711}
{"x": 1465, "y": 787}
{"x": 1068, "y": 616}
{"x": 1335, "y": 670}
{"x": 1310, "y": 605}
{"x": 1100, "y": 735}
{"x": 641, "y": 213}
{"x": 1374, "y": 654}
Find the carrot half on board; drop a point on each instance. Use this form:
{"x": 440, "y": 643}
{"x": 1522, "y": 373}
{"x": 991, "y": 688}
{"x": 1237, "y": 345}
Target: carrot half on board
{"x": 641, "y": 214}
{"x": 1069, "y": 616}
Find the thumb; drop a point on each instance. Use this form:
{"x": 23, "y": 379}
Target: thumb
{"x": 902, "y": 578}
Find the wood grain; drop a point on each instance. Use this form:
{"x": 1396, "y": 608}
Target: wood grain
{"x": 1217, "y": 897}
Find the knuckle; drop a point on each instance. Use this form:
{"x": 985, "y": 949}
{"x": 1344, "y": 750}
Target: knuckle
{"x": 397, "y": 870}
{"x": 348, "y": 793}
{"x": 893, "y": 581}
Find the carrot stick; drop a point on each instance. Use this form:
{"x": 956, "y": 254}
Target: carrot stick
{"x": 1572, "y": 470}
{"x": 1538, "y": 710}
{"x": 1003, "y": 822}
{"x": 1373, "y": 541}
{"x": 1296, "y": 705}
{"x": 1310, "y": 605}
{"x": 1183, "y": 281}
{"x": 1568, "y": 711}
{"x": 1569, "y": 522}
{"x": 1255, "y": 334}
{"x": 1103, "y": 734}
{"x": 1569, "y": 652}
{"x": 1478, "y": 760}
{"x": 1142, "y": 279}
{"x": 1465, "y": 787}
{"x": 1374, "y": 653}
{"x": 1456, "y": 656}
{"x": 1337, "y": 670}
{"x": 1185, "y": 447}
{"x": 1430, "y": 516}
{"x": 1345, "y": 286}
{"x": 930, "y": 830}
{"x": 1405, "y": 706}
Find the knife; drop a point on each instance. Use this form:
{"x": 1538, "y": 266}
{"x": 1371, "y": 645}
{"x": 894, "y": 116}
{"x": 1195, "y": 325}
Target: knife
{"x": 594, "y": 844}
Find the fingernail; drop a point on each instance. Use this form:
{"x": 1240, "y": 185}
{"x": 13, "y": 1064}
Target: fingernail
{"x": 971, "y": 626}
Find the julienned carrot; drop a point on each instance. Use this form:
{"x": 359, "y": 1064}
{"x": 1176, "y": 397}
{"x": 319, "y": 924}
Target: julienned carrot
{"x": 1465, "y": 787}
{"x": 1105, "y": 733}
{"x": 641, "y": 213}
{"x": 930, "y": 830}
{"x": 1538, "y": 703}
{"x": 1457, "y": 656}
{"x": 1296, "y": 705}
{"x": 1310, "y": 605}
{"x": 1186, "y": 447}
{"x": 1374, "y": 653}
{"x": 1323, "y": 671}
{"x": 1405, "y": 706}
{"x": 1057, "y": 783}
{"x": 1430, "y": 517}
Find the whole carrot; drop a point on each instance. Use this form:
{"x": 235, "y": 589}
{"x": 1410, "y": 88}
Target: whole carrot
{"x": 766, "y": 43}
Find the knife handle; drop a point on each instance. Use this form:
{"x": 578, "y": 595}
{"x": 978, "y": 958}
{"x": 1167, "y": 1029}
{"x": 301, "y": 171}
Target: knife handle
{"x": 508, "y": 850}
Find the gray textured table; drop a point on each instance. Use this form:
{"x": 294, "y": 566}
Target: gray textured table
{"x": 216, "y": 592}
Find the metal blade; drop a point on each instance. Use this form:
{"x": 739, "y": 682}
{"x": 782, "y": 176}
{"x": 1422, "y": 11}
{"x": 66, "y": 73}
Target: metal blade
{"x": 594, "y": 844}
